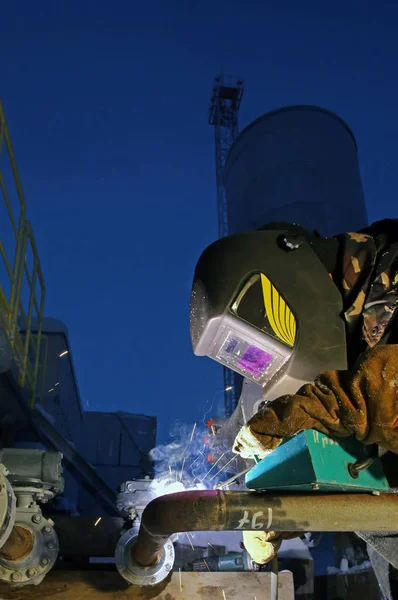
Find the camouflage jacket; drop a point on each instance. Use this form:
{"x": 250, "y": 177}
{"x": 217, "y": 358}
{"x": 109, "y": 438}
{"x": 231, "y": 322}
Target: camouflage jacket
{"x": 367, "y": 276}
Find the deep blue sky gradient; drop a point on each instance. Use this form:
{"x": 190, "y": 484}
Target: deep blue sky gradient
{"x": 107, "y": 108}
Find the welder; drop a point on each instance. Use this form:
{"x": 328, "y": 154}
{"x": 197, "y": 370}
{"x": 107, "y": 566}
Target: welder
{"x": 361, "y": 401}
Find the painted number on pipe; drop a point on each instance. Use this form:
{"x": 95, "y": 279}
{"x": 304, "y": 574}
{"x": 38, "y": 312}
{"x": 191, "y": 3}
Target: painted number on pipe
{"x": 255, "y": 521}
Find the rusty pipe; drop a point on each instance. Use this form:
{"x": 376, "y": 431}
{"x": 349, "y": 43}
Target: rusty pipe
{"x": 215, "y": 510}
{"x": 19, "y": 543}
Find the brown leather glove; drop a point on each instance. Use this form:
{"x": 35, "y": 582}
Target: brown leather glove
{"x": 362, "y": 402}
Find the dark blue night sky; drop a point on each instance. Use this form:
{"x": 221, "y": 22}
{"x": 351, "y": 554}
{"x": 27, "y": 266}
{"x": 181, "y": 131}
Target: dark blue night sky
{"x": 107, "y": 108}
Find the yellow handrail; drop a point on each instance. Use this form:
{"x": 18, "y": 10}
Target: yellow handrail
{"x": 20, "y": 316}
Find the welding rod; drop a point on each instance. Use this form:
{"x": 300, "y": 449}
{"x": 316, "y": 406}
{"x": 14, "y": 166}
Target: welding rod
{"x": 223, "y": 484}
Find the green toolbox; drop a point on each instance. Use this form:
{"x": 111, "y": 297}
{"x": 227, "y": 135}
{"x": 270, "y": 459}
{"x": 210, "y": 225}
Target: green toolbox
{"x": 314, "y": 461}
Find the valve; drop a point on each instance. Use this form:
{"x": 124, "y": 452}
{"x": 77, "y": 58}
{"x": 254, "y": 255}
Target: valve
{"x": 28, "y": 541}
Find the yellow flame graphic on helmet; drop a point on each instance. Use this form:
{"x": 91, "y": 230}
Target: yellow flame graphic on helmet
{"x": 278, "y": 313}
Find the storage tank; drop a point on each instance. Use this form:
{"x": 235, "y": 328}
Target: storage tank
{"x": 296, "y": 164}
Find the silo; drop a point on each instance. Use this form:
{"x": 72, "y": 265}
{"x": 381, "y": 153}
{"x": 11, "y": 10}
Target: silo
{"x": 296, "y": 164}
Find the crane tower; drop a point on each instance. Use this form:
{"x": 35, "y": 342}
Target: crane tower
{"x": 223, "y": 115}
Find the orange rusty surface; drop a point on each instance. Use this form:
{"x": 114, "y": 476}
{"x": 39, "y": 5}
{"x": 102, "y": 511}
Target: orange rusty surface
{"x": 19, "y": 543}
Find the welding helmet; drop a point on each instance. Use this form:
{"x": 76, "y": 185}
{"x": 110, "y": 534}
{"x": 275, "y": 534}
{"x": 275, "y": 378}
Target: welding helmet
{"x": 263, "y": 304}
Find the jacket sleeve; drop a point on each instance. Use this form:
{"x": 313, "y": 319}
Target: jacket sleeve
{"x": 362, "y": 402}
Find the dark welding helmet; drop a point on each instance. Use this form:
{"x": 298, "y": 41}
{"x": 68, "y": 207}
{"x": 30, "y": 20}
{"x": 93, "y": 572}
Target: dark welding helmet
{"x": 263, "y": 304}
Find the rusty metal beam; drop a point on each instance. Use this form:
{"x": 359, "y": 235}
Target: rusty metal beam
{"x": 229, "y": 511}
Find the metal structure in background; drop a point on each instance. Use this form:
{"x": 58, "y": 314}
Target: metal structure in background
{"x": 22, "y": 290}
{"x": 223, "y": 115}
{"x": 82, "y": 470}
{"x": 39, "y": 397}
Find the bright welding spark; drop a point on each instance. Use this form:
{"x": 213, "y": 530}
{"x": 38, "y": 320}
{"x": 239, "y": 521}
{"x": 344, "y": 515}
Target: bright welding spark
{"x": 171, "y": 473}
{"x": 63, "y": 353}
{"x": 223, "y": 594}
{"x": 193, "y": 431}
{"x": 224, "y": 467}
{"x": 182, "y": 468}
{"x": 207, "y": 566}
{"x": 190, "y": 541}
{"x": 97, "y": 521}
{"x": 56, "y": 384}
{"x": 180, "y": 581}
{"x": 215, "y": 464}
{"x": 211, "y": 545}
{"x": 213, "y": 430}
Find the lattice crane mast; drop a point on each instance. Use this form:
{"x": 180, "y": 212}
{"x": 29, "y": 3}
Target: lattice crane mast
{"x": 223, "y": 115}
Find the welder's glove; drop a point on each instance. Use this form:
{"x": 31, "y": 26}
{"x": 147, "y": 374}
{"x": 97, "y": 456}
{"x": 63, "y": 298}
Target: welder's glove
{"x": 362, "y": 402}
{"x": 249, "y": 444}
{"x": 263, "y": 545}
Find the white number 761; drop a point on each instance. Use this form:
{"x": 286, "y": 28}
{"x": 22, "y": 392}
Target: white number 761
{"x": 253, "y": 522}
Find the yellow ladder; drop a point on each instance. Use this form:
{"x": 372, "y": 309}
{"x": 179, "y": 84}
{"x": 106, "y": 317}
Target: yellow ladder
{"x": 22, "y": 289}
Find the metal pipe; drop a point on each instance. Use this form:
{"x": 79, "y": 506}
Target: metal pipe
{"x": 19, "y": 543}
{"x": 228, "y": 511}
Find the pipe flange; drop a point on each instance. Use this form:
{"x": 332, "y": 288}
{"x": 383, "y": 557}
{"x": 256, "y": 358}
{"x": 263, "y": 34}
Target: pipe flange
{"x": 136, "y": 574}
{"x": 7, "y": 506}
{"x": 32, "y": 568}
